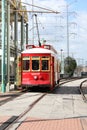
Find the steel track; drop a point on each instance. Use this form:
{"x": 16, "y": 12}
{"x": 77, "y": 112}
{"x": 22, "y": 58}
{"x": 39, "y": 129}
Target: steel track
{"x": 66, "y": 80}
{"x": 83, "y": 90}
{"x": 14, "y": 124}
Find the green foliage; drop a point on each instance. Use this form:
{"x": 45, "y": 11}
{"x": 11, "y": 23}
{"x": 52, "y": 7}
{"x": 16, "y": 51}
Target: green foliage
{"x": 69, "y": 66}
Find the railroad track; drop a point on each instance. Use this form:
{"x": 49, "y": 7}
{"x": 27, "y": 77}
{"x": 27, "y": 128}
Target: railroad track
{"x": 66, "y": 80}
{"x": 8, "y": 98}
{"x": 14, "y": 122}
{"x": 83, "y": 90}
{"x": 59, "y": 89}
{"x": 11, "y": 96}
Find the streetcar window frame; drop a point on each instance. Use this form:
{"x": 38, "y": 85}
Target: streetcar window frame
{"x": 45, "y": 58}
{"x": 37, "y": 66}
{"x": 27, "y": 59}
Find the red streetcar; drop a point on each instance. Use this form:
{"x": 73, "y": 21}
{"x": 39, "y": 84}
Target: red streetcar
{"x": 38, "y": 66}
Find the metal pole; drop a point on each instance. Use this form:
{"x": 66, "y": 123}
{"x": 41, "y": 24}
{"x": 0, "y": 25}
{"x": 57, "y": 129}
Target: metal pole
{"x": 67, "y": 6}
{"x": 3, "y": 46}
{"x": 61, "y": 60}
{"x": 8, "y": 44}
{"x": 62, "y": 63}
{"x": 32, "y": 22}
{"x": 67, "y": 32}
{"x": 26, "y": 33}
{"x": 22, "y": 32}
{"x": 37, "y": 31}
{"x": 15, "y": 41}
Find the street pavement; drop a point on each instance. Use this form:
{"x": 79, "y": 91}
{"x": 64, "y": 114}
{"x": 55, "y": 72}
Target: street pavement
{"x": 52, "y": 106}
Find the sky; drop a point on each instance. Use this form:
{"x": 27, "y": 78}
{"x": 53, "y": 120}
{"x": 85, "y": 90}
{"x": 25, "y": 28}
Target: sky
{"x": 53, "y": 27}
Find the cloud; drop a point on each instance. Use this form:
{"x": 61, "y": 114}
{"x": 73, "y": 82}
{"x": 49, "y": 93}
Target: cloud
{"x": 53, "y": 27}
{"x": 46, "y": 4}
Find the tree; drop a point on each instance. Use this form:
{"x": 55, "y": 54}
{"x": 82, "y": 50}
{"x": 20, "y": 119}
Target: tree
{"x": 69, "y": 66}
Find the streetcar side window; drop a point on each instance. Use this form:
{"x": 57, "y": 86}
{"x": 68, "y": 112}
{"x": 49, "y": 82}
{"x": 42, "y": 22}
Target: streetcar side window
{"x": 26, "y": 63}
{"x": 45, "y": 63}
{"x": 35, "y": 63}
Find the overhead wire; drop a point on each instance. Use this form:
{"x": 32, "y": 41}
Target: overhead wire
{"x": 45, "y": 9}
{"x": 40, "y": 7}
{"x": 80, "y": 25}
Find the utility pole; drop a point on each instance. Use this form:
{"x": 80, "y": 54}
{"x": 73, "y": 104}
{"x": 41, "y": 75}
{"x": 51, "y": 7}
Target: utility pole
{"x": 32, "y": 22}
{"x": 67, "y": 12}
{"x": 67, "y": 31}
{"x": 3, "y": 47}
{"x": 68, "y": 44}
{"x": 22, "y": 32}
{"x": 8, "y": 45}
{"x": 15, "y": 41}
{"x": 26, "y": 33}
{"x": 62, "y": 62}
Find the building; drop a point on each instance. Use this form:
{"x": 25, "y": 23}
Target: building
{"x": 15, "y": 17}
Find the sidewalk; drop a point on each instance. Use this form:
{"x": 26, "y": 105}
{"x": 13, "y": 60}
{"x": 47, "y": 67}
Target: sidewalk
{"x": 8, "y": 88}
{"x": 63, "y": 124}
{"x": 48, "y": 124}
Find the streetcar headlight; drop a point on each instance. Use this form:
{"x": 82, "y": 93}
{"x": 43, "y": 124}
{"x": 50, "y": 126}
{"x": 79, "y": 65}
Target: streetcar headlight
{"x": 35, "y": 77}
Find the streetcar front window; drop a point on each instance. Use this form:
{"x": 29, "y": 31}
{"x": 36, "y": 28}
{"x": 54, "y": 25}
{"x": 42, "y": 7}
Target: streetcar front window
{"x": 45, "y": 63}
{"x": 26, "y": 63}
{"x": 35, "y": 63}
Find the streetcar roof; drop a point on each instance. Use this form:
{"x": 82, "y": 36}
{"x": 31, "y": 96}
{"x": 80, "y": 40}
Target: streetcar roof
{"x": 38, "y": 50}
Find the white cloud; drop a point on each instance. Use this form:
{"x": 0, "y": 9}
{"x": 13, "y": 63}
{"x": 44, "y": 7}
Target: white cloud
{"x": 54, "y": 30}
